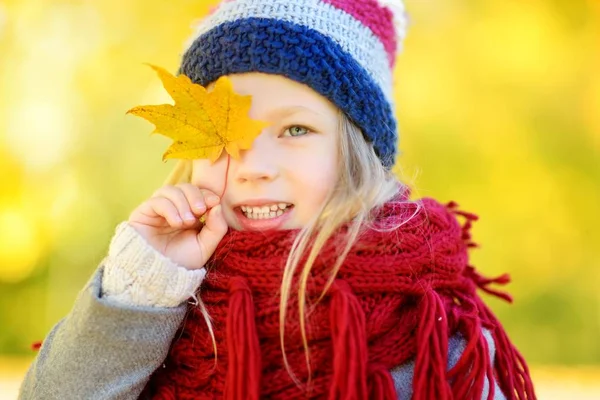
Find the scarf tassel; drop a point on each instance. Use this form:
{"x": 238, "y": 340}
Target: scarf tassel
{"x": 348, "y": 331}
{"x": 430, "y": 380}
{"x": 468, "y": 376}
{"x": 244, "y": 365}
{"x": 381, "y": 384}
{"x": 511, "y": 369}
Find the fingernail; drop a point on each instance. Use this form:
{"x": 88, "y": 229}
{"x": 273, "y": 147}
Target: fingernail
{"x": 189, "y": 216}
{"x": 200, "y": 206}
{"x": 212, "y": 199}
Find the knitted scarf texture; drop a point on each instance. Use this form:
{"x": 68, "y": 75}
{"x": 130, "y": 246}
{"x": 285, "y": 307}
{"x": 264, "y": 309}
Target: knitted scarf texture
{"x": 399, "y": 295}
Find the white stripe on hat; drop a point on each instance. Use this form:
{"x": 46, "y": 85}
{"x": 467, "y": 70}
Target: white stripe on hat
{"x": 400, "y": 19}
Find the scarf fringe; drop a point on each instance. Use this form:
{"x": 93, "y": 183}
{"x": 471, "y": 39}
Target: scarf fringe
{"x": 348, "y": 331}
{"x": 381, "y": 384}
{"x": 509, "y": 369}
{"x": 430, "y": 381}
{"x": 468, "y": 376}
{"x": 244, "y": 365}
{"x": 353, "y": 378}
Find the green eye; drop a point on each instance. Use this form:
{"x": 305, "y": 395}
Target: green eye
{"x": 295, "y": 130}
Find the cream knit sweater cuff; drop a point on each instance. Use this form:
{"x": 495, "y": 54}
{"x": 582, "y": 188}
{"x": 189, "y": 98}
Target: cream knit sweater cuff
{"x": 137, "y": 274}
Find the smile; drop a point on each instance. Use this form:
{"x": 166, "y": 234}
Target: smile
{"x": 265, "y": 212}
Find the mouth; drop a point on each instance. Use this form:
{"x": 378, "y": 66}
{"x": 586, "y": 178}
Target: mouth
{"x": 267, "y": 211}
{"x": 264, "y": 216}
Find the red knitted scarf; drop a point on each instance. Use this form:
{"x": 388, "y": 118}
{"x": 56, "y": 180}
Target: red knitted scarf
{"x": 399, "y": 295}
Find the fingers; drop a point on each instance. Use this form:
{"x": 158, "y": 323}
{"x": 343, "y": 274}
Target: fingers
{"x": 199, "y": 199}
{"x": 213, "y": 231}
{"x": 189, "y": 201}
{"x": 163, "y": 208}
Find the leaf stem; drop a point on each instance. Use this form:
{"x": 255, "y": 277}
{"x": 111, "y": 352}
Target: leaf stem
{"x": 226, "y": 175}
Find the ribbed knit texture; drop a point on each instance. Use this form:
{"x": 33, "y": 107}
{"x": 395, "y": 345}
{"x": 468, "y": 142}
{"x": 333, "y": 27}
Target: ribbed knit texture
{"x": 400, "y": 295}
{"x": 137, "y": 274}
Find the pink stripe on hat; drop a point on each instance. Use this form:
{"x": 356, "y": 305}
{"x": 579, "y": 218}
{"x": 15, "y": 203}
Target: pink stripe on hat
{"x": 377, "y": 18}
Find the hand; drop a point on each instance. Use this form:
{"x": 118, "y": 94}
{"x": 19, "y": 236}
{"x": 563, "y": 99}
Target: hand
{"x": 169, "y": 222}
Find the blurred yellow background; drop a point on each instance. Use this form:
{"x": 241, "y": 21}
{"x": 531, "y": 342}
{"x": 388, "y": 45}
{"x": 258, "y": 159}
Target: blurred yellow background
{"x": 499, "y": 110}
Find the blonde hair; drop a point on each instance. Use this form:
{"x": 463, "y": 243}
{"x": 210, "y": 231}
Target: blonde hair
{"x": 363, "y": 184}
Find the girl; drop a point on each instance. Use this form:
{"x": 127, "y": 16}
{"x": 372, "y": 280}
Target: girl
{"x": 314, "y": 275}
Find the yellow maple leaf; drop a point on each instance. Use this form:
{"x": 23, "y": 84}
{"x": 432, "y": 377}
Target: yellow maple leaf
{"x": 202, "y": 123}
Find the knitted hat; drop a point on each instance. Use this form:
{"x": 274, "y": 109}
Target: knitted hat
{"x": 343, "y": 49}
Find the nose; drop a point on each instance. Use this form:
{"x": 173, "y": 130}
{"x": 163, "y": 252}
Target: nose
{"x": 259, "y": 162}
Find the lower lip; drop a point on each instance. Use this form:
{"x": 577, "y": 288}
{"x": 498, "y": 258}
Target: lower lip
{"x": 262, "y": 224}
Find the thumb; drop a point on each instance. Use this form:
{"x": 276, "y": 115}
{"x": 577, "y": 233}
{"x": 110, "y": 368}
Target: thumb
{"x": 212, "y": 232}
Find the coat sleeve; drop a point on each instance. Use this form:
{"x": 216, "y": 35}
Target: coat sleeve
{"x": 120, "y": 328}
{"x": 102, "y": 349}
{"x": 403, "y": 375}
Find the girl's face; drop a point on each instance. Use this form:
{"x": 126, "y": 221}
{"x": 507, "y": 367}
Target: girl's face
{"x": 282, "y": 181}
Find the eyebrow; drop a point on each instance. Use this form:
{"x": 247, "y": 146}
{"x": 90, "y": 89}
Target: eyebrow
{"x": 289, "y": 110}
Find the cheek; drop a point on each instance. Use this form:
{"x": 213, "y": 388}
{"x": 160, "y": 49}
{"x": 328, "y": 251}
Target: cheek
{"x": 318, "y": 174}
{"x": 209, "y": 176}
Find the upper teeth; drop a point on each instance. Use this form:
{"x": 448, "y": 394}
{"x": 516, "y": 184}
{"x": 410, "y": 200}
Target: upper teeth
{"x": 268, "y": 211}
{"x": 265, "y": 209}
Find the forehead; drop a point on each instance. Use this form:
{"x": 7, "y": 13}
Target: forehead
{"x": 270, "y": 91}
